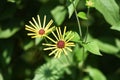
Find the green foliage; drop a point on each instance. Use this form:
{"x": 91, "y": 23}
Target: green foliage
{"x": 117, "y": 43}
{"x": 76, "y": 37}
{"x": 53, "y": 69}
{"x": 79, "y": 53}
{"x": 8, "y": 33}
{"x": 116, "y": 26}
{"x": 72, "y": 7}
{"x": 107, "y": 48}
{"x": 1, "y": 78}
{"x": 110, "y": 11}
{"x": 82, "y": 15}
{"x": 59, "y": 14}
{"x": 92, "y": 47}
{"x": 28, "y": 45}
{"x": 38, "y": 40}
{"x": 23, "y": 58}
{"x": 95, "y": 74}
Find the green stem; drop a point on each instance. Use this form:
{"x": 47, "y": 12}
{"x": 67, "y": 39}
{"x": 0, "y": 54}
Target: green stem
{"x": 85, "y": 41}
{"x": 78, "y": 22}
{"x": 87, "y": 29}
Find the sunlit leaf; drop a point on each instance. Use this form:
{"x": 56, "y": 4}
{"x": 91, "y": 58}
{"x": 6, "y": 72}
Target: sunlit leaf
{"x": 76, "y": 37}
{"x": 117, "y": 43}
{"x": 38, "y": 40}
{"x": 116, "y": 26}
{"x": 1, "y": 77}
{"x": 82, "y": 15}
{"x": 71, "y": 8}
{"x": 95, "y": 74}
{"x": 8, "y": 32}
{"x": 59, "y": 14}
{"x": 13, "y": 1}
{"x": 28, "y": 45}
{"x": 92, "y": 47}
{"x": 107, "y": 48}
{"x": 86, "y": 78}
{"x": 109, "y": 9}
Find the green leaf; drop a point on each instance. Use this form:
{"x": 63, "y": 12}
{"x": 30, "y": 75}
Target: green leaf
{"x": 79, "y": 53}
{"x": 71, "y": 7}
{"x": 28, "y": 45}
{"x": 38, "y": 40}
{"x": 1, "y": 77}
{"x": 59, "y": 14}
{"x": 109, "y": 9}
{"x": 92, "y": 47}
{"x": 7, "y": 57}
{"x": 116, "y": 26}
{"x": 107, "y": 48}
{"x": 95, "y": 74}
{"x": 13, "y": 1}
{"x": 8, "y": 33}
{"x": 86, "y": 78}
{"x": 82, "y": 15}
{"x": 53, "y": 69}
{"x": 117, "y": 43}
{"x": 76, "y": 37}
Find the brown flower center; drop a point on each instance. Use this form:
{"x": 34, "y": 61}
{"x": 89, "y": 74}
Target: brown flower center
{"x": 41, "y": 31}
{"x": 60, "y": 44}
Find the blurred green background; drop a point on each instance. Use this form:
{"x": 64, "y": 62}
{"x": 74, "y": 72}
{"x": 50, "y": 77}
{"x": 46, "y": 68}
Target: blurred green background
{"x": 20, "y": 55}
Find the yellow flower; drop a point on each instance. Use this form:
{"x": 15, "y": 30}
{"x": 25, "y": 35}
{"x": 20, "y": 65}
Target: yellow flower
{"x": 89, "y": 3}
{"x": 38, "y": 30}
{"x": 61, "y": 44}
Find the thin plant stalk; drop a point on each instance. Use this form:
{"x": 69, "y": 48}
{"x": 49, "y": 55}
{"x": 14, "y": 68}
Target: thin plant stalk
{"x": 78, "y": 21}
{"x": 85, "y": 39}
{"x": 87, "y": 29}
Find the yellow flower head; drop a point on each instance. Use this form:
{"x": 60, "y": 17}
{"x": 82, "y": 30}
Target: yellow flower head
{"x": 61, "y": 44}
{"x": 38, "y": 30}
{"x": 89, "y": 3}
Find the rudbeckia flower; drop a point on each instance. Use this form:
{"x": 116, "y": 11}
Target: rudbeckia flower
{"x": 38, "y": 30}
{"x": 62, "y": 43}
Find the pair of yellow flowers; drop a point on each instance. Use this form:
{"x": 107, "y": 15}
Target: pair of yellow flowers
{"x": 62, "y": 43}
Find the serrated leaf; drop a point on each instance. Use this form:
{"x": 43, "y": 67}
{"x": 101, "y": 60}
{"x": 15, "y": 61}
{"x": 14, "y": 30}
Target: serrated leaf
{"x": 8, "y": 33}
{"x": 71, "y": 7}
{"x": 107, "y": 48}
{"x": 92, "y": 47}
{"x": 95, "y": 74}
{"x": 109, "y": 9}
{"x": 59, "y": 14}
{"x": 82, "y": 15}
